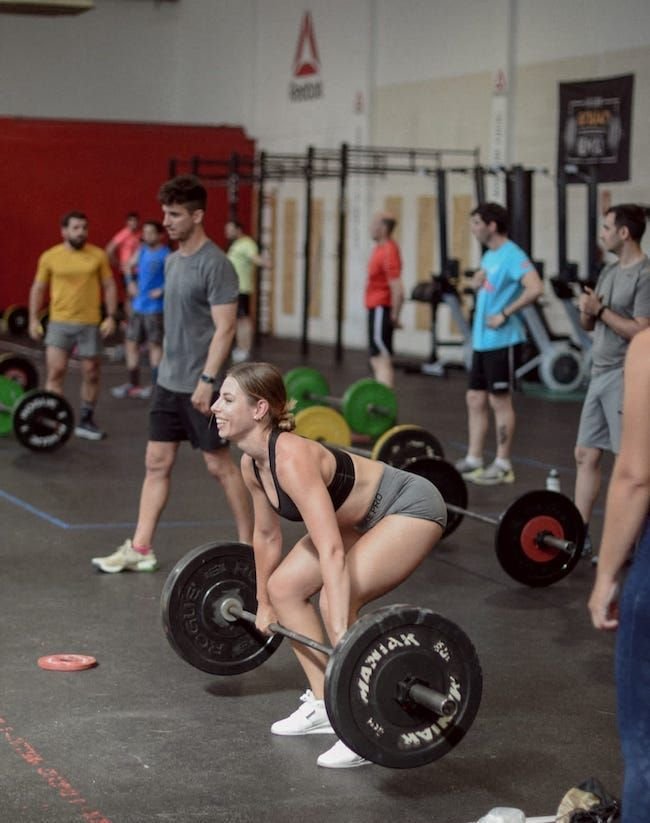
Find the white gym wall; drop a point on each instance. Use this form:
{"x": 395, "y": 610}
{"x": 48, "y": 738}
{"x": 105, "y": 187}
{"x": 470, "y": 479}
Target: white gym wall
{"x": 418, "y": 73}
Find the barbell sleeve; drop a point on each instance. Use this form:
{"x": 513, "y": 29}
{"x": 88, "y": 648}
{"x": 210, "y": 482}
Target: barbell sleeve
{"x": 547, "y": 540}
{"x": 441, "y": 704}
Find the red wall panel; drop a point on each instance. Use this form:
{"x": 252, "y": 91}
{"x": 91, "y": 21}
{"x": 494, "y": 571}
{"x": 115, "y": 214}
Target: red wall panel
{"x": 105, "y": 169}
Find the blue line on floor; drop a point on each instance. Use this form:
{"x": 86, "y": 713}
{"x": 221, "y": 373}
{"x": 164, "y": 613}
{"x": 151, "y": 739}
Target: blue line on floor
{"x": 33, "y": 510}
{"x": 55, "y": 521}
{"x": 164, "y": 524}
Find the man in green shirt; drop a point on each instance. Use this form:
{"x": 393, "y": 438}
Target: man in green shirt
{"x": 245, "y": 257}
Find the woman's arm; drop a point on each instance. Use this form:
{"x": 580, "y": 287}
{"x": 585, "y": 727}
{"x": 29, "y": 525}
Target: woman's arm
{"x": 267, "y": 543}
{"x": 628, "y": 496}
{"x": 301, "y": 477}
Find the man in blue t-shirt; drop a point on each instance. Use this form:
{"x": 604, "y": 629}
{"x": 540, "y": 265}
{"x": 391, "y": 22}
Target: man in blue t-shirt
{"x": 145, "y": 283}
{"x": 506, "y": 282}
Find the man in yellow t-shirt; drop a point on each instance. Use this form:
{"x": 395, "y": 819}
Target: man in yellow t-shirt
{"x": 245, "y": 258}
{"x": 76, "y": 274}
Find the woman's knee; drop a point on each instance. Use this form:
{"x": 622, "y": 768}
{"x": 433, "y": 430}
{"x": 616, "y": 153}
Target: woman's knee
{"x": 280, "y": 589}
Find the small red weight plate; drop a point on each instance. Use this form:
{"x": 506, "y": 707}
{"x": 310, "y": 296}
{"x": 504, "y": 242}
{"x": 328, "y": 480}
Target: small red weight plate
{"x": 66, "y": 662}
{"x": 529, "y": 533}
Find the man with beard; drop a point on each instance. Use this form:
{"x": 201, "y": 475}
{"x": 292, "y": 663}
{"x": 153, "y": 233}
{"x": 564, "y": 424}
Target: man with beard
{"x": 200, "y": 317}
{"x": 76, "y": 273}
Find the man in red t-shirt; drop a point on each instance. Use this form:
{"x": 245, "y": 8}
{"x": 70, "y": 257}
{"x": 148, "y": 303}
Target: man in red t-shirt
{"x": 384, "y": 297}
{"x": 122, "y": 247}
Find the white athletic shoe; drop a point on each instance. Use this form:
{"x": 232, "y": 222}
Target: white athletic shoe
{"x": 340, "y": 757}
{"x": 126, "y": 558}
{"x": 309, "y": 718}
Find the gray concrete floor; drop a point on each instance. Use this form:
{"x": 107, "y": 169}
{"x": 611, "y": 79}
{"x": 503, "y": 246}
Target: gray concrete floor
{"x": 145, "y": 737}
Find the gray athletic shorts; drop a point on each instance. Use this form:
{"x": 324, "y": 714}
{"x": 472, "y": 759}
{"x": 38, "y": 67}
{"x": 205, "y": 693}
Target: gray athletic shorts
{"x": 145, "y": 327}
{"x": 66, "y": 336}
{"x": 407, "y": 494}
{"x": 600, "y": 420}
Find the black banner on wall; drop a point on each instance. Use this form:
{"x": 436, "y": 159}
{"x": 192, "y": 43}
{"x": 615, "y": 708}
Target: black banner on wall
{"x": 595, "y": 126}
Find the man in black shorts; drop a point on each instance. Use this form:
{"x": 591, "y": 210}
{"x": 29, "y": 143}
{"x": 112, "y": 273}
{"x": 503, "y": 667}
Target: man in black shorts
{"x": 200, "y": 312}
{"x": 506, "y": 282}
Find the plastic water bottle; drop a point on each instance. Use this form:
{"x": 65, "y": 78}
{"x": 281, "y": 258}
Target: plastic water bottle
{"x": 503, "y": 814}
{"x": 553, "y": 481}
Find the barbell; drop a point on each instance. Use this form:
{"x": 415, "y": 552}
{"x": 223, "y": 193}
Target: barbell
{"x": 402, "y": 687}
{"x": 538, "y": 538}
{"x": 41, "y": 420}
{"x": 368, "y": 407}
{"x": 15, "y": 319}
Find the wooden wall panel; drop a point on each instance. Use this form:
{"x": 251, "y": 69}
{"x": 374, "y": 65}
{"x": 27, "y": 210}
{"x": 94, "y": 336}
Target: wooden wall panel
{"x": 461, "y": 237}
{"x": 393, "y": 205}
{"x": 316, "y": 262}
{"x": 289, "y": 230}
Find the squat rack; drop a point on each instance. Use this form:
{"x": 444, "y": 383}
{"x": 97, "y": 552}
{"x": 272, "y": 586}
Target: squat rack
{"x": 333, "y": 164}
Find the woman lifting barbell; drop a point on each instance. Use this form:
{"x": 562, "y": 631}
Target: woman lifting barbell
{"x": 369, "y": 526}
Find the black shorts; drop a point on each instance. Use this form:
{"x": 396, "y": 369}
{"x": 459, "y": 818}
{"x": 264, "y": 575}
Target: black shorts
{"x": 243, "y": 304}
{"x": 141, "y": 327}
{"x": 494, "y": 371}
{"x": 380, "y": 331}
{"x": 173, "y": 418}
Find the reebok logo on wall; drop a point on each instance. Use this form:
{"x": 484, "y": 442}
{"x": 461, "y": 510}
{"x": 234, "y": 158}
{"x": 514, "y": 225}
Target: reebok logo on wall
{"x": 306, "y": 83}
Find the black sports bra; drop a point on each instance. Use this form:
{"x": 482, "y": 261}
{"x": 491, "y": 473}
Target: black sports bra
{"x": 339, "y": 488}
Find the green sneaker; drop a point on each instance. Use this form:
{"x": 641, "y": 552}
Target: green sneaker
{"x": 492, "y": 476}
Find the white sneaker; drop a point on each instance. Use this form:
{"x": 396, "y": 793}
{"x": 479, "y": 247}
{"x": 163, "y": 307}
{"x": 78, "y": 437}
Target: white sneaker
{"x": 492, "y": 476}
{"x": 126, "y": 558}
{"x": 310, "y": 718}
{"x": 340, "y": 757}
{"x": 239, "y": 355}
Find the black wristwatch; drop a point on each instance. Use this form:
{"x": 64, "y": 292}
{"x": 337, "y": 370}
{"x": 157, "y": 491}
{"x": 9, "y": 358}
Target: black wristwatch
{"x": 205, "y": 378}
{"x": 600, "y": 311}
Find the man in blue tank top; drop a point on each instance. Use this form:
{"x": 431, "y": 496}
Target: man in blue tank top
{"x": 506, "y": 282}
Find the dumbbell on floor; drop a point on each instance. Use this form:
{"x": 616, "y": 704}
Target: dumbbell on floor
{"x": 368, "y": 407}
{"x": 402, "y": 687}
{"x": 41, "y": 420}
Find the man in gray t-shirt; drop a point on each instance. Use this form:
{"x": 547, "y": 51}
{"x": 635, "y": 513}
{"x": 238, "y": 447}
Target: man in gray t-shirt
{"x": 200, "y": 314}
{"x": 194, "y": 284}
{"x": 616, "y": 309}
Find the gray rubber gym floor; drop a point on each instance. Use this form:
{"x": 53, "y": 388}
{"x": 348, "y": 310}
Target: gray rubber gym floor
{"x": 146, "y": 737}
